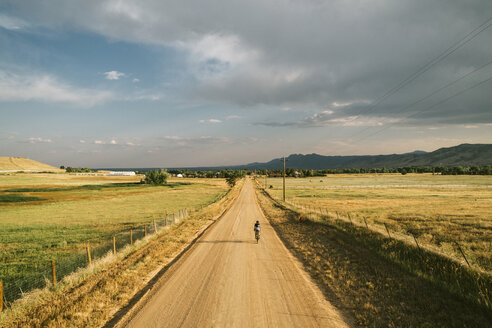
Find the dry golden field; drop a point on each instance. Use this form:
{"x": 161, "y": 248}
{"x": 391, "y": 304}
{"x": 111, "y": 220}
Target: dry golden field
{"x": 24, "y": 164}
{"x": 439, "y": 210}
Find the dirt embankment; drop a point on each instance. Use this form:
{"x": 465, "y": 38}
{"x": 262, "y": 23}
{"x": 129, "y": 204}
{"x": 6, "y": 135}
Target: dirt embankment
{"x": 375, "y": 290}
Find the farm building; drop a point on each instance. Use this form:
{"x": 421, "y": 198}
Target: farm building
{"x": 121, "y": 173}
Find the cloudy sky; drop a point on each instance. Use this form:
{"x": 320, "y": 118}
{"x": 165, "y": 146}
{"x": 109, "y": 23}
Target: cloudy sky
{"x": 139, "y": 83}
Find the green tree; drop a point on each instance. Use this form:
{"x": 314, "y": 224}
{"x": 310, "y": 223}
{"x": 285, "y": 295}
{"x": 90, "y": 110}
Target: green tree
{"x": 156, "y": 177}
{"x": 231, "y": 180}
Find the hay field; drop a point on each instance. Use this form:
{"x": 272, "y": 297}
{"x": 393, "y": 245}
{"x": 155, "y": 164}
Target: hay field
{"x": 54, "y": 216}
{"x": 438, "y": 210}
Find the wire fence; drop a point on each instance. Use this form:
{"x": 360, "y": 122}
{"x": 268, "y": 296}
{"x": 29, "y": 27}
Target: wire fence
{"x": 28, "y": 273}
{"x": 387, "y": 230}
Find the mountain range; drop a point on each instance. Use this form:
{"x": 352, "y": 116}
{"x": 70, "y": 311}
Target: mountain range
{"x": 464, "y": 154}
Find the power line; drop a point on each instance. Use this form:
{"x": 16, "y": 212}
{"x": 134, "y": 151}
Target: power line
{"x": 434, "y": 92}
{"x": 457, "y": 45}
{"x": 430, "y": 107}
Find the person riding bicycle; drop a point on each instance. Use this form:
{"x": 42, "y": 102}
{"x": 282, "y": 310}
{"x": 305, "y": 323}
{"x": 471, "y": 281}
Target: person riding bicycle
{"x": 257, "y": 226}
{"x": 257, "y": 230}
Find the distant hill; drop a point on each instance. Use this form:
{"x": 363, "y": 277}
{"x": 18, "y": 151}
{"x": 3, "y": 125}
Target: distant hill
{"x": 465, "y": 154}
{"x": 24, "y": 164}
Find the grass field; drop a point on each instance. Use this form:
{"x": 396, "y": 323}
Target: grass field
{"x": 438, "y": 210}
{"x": 24, "y": 164}
{"x": 54, "y": 216}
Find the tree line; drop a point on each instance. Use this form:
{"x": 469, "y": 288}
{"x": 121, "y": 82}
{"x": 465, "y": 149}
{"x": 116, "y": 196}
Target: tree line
{"x": 70, "y": 169}
{"x": 156, "y": 177}
{"x": 454, "y": 170}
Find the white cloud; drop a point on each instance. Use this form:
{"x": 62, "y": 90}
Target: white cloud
{"x": 144, "y": 96}
{"x": 39, "y": 140}
{"x": 12, "y": 23}
{"x": 44, "y": 87}
{"x": 98, "y": 142}
{"x": 114, "y": 75}
{"x": 172, "y": 138}
{"x": 185, "y": 141}
{"x": 113, "y": 142}
{"x": 212, "y": 120}
{"x": 233, "y": 117}
{"x": 228, "y": 49}
{"x": 135, "y": 80}
{"x": 131, "y": 144}
{"x": 82, "y": 141}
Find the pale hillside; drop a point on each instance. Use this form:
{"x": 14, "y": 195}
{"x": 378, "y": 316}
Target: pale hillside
{"x": 24, "y": 164}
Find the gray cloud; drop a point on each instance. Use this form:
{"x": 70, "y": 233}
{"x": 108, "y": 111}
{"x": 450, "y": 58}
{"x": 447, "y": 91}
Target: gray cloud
{"x": 303, "y": 54}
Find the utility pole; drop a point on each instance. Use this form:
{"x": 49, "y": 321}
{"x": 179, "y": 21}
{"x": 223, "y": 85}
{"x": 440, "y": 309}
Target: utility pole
{"x": 284, "y": 178}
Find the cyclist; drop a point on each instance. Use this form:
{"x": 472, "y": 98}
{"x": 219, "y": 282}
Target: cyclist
{"x": 257, "y": 230}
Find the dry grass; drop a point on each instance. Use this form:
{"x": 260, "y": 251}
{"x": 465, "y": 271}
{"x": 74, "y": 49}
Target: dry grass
{"x": 365, "y": 275}
{"x": 91, "y": 298}
{"x": 24, "y": 164}
{"x": 430, "y": 207}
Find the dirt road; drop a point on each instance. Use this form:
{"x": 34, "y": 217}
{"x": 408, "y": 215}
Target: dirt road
{"x": 228, "y": 280}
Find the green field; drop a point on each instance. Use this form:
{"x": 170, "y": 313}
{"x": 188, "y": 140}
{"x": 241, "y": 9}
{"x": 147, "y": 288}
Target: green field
{"x": 54, "y": 216}
{"x": 438, "y": 210}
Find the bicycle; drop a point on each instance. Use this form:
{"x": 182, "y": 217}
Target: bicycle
{"x": 257, "y": 236}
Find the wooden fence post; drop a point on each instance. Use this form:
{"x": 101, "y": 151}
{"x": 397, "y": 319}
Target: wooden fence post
{"x": 387, "y": 230}
{"x": 367, "y": 227}
{"x": 462, "y": 253}
{"x": 165, "y": 220}
{"x": 416, "y": 242}
{"x": 155, "y": 227}
{"x": 131, "y": 237}
{"x": 338, "y": 216}
{"x": 350, "y": 218}
{"x": 1, "y": 296}
{"x": 89, "y": 253}
{"x": 114, "y": 245}
{"x": 53, "y": 272}
{"x": 145, "y": 230}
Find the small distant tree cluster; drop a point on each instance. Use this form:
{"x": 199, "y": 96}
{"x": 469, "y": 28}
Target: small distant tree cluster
{"x": 70, "y": 169}
{"x": 156, "y": 177}
{"x": 233, "y": 175}
{"x": 223, "y": 174}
